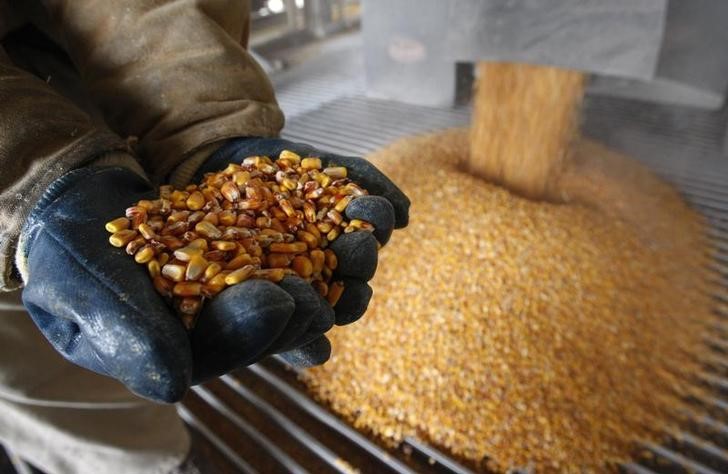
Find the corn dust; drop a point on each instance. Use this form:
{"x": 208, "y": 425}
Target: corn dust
{"x": 514, "y": 333}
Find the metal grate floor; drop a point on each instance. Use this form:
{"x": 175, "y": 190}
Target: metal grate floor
{"x": 266, "y": 406}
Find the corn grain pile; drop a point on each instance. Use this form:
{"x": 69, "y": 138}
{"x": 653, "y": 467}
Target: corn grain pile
{"x": 515, "y": 333}
{"x": 262, "y": 218}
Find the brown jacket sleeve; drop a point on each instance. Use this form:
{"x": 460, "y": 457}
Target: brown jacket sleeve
{"x": 172, "y": 73}
{"x": 42, "y": 136}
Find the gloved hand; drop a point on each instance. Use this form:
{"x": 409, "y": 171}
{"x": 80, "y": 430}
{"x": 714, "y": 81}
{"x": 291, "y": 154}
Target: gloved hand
{"x": 386, "y": 208}
{"x": 98, "y": 308}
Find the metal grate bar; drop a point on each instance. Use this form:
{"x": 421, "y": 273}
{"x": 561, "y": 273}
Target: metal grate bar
{"x": 679, "y": 459}
{"x": 279, "y": 455}
{"x": 312, "y": 408}
{"x": 636, "y": 469}
{"x": 437, "y": 456}
{"x": 223, "y": 448}
{"x": 293, "y": 429}
{"x": 712, "y": 454}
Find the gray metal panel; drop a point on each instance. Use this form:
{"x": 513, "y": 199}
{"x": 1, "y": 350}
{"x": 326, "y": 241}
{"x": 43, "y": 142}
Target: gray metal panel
{"x": 405, "y": 55}
{"x": 615, "y": 37}
{"x": 693, "y": 64}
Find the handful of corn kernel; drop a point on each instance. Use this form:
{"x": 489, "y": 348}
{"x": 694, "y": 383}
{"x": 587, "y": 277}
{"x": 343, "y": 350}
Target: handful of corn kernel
{"x": 263, "y": 218}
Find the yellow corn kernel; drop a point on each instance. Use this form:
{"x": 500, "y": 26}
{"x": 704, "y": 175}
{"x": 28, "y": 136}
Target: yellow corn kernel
{"x": 227, "y": 217}
{"x": 174, "y": 272}
{"x": 118, "y": 224}
{"x": 335, "y": 217}
{"x": 333, "y": 234}
{"x": 171, "y": 242}
{"x": 144, "y": 255}
{"x": 336, "y": 289}
{"x": 343, "y": 202}
{"x": 196, "y": 268}
{"x": 163, "y": 259}
{"x": 287, "y": 207}
{"x": 336, "y": 172}
{"x": 162, "y": 285}
{"x": 134, "y": 246}
{"x": 278, "y": 260}
{"x": 239, "y": 275}
{"x": 154, "y": 268}
{"x": 196, "y": 201}
{"x": 324, "y": 227}
{"x": 311, "y": 163}
{"x": 224, "y": 245}
{"x": 325, "y": 180}
{"x": 231, "y": 169}
{"x": 331, "y": 260}
{"x": 146, "y": 231}
{"x": 318, "y": 260}
{"x": 208, "y": 230}
{"x": 309, "y": 211}
{"x": 241, "y": 178}
{"x": 212, "y": 218}
{"x": 122, "y": 237}
{"x": 212, "y": 269}
{"x": 290, "y": 156}
{"x": 230, "y": 191}
{"x": 239, "y": 262}
{"x": 186, "y": 253}
{"x": 293, "y": 247}
{"x": 311, "y": 240}
{"x": 289, "y": 184}
{"x": 187, "y": 288}
{"x": 198, "y": 244}
{"x": 272, "y": 274}
{"x": 215, "y": 285}
{"x": 302, "y": 265}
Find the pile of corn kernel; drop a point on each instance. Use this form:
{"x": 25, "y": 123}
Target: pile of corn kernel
{"x": 262, "y": 218}
{"x": 520, "y": 334}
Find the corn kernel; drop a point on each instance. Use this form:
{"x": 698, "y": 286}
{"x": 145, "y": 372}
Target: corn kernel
{"x": 336, "y": 289}
{"x": 295, "y": 247}
{"x": 122, "y": 237}
{"x": 120, "y": 223}
{"x": 311, "y": 163}
{"x": 302, "y": 265}
{"x": 196, "y": 201}
{"x": 239, "y": 275}
{"x": 187, "y": 288}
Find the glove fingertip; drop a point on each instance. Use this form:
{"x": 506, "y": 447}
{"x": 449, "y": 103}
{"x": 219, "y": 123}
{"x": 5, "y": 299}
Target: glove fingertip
{"x": 312, "y": 354}
{"x": 376, "y": 210}
{"x": 353, "y": 302}
{"x": 357, "y": 255}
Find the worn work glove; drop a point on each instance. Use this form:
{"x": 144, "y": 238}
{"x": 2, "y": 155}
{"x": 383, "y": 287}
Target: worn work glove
{"x": 386, "y": 208}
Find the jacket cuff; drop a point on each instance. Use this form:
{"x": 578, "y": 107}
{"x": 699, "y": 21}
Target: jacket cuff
{"x": 18, "y": 202}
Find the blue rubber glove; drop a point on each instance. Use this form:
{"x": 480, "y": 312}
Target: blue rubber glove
{"x": 98, "y": 308}
{"x": 386, "y": 208}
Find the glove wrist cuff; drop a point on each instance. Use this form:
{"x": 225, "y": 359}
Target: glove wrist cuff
{"x": 34, "y": 223}
{"x": 182, "y": 175}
